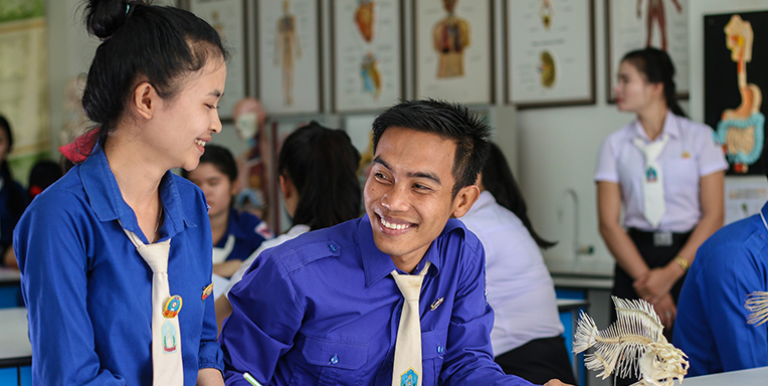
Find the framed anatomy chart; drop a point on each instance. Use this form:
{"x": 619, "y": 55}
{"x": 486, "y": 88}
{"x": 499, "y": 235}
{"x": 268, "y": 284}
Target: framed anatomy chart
{"x": 367, "y": 64}
{"x": 452, "y": 51}
{"x": 636, "y": 24}
{"x": 289, "y": 56}
{"x": 550, "y": 52}
{"x": 228, "y": 18}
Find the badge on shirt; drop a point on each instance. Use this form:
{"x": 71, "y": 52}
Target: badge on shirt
{"x": 172, "y": 307}
{"x": 436, "y": 304}
{"x": 207, "y": 291}
{"x": 686, "y": 154}
{"x": 651, "y": 175}
{"x": 409, "y": 378}
{"x": 169, "y": 337}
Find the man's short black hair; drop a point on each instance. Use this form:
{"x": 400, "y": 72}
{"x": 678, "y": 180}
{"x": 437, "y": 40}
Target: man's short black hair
{"x": 448, "y": 120}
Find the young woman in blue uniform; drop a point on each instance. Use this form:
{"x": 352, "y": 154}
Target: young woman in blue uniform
{"x": 13, "y": 198}
{"x": 235, "y": 234}
{"x": 116, "y": 256}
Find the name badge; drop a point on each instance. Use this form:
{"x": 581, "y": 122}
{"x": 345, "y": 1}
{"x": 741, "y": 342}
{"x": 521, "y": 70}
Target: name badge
{"x": 662, "y": 239}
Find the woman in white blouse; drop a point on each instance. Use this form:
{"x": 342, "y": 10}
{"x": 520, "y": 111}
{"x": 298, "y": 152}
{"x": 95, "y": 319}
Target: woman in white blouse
{"x": 527, "y": 332}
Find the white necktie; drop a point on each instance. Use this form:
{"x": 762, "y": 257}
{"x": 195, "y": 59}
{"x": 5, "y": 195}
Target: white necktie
{"x": 406, "y": 370}
{"x": 653, "y": 180}
{"x": 220, "y": 254}
{"x": 167, "y": 366}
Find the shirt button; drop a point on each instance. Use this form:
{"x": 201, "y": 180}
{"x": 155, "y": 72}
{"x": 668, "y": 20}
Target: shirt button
{"x": 332, "y": 247}
{"x": 334, "y": 360}
{"x": 439, "y": 349}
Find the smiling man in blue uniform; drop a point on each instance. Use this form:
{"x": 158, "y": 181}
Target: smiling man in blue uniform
{"x": 327, "y": 308}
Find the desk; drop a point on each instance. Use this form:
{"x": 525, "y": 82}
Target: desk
{"x": 572, "y": 306}
{"x": 9, "y": 277}
{"x": 751, "y": 377}
{"x": 15, "y": 349}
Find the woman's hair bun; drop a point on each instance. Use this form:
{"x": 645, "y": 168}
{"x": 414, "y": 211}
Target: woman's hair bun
{"x": 104, "y": 17}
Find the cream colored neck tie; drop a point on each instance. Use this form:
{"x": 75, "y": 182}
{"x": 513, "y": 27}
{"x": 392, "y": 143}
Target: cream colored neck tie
{"x": 406, "y": 370}
{"x": 653, "y": 180}
{"x": 167, "y": 366}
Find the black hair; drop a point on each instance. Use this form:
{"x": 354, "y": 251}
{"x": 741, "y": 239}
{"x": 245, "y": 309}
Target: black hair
{"x": 499, "y": 181}
{"x": 16, "y": 200}
{"x": 658, "y": 68}
{"x": 448, "y": 120}
{"x": 322, "y": 165}
{"x": 142, "y": 42}
{"x": 221, "y": 158}
{"x": 43, "y": 175}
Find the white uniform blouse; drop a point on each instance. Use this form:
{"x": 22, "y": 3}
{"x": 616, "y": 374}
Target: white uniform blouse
{"x": 690, "y": 154}
{"x": 520, "y": 290}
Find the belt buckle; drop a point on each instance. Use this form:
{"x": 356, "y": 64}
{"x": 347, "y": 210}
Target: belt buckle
{"x": 662, "y": 239}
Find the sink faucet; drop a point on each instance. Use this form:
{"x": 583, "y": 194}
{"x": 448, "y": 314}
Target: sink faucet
{"x": 576, "y": 248}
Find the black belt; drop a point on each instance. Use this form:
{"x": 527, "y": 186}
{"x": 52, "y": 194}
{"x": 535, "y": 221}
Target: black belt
{"x": 657, "y": 238}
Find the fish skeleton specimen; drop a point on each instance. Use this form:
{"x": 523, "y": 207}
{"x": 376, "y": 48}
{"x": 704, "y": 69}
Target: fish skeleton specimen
{"x": 757, "y": 303}
{"x": 633, "y": 346}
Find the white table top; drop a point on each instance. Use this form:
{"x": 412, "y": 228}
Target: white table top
{"x": 9, "y": 276}
{"x": 751, "y": 377}
{"x": 14, "y": 340}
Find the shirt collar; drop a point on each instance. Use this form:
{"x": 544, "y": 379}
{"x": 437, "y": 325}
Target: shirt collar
{"x": 107, "y": 202}
{"x": 378, "y": 264}
{"x": 764, "y": 211}
{"x": 670, "y": 128}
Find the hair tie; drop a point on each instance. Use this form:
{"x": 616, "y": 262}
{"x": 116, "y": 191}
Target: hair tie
{"x": 79, "y": 150}
{"x": 127, "y": 8}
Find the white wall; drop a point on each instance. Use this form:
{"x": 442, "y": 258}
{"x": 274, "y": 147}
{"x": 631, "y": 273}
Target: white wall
{"x": 556, "y": 147}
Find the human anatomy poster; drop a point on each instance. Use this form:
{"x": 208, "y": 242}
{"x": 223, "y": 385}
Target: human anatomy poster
{"x": 452, "y": 50}
{"x": 550, "y": 52}
{"x": 636, "y": 24}
{"x": 289, "y": 56}
{"x": 735, "y": 81}
{"x": 367, "y": 54}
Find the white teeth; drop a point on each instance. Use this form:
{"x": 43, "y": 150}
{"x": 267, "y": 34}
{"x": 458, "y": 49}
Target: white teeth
{"x": 393, "y": 226}
{"x": 199, "y": 142}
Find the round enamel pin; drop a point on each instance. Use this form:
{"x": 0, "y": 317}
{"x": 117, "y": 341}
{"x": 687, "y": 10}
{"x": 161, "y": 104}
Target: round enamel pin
{"x": 172, "y": 307}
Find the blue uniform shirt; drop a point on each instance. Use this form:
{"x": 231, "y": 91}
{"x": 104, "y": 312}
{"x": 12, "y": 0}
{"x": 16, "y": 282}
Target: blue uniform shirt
{"x": 711, "y": 325}
{"x": 249, "y": 232}
{"x": 89, "y": 292}
{"x": 323, "y": 309}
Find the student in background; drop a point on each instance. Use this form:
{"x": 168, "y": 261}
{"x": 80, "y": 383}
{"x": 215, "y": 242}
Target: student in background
{"x": 235, "y": 234}
{"x": 318, "y": 180}
{"x": 13, "y": 198}
{"x": 667, "y": 174}
{"x": 527, "y": 332}
{"x": 116, "y": 256}
{"x": 42, "y": 175}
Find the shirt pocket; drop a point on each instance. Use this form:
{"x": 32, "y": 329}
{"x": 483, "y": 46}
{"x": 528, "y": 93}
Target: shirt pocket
{"x": 339, "y": 362}
{"x": 432, "y": 355}
{"x": 681, "y": 174}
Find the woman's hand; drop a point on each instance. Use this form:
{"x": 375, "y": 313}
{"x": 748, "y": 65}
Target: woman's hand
{"x": 667, "y": 310}
{"x": 657, "y": 282}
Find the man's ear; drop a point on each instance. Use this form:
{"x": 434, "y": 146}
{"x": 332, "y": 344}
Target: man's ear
{"x": 464, "y": 200}
{"x": 144, "y": 101}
